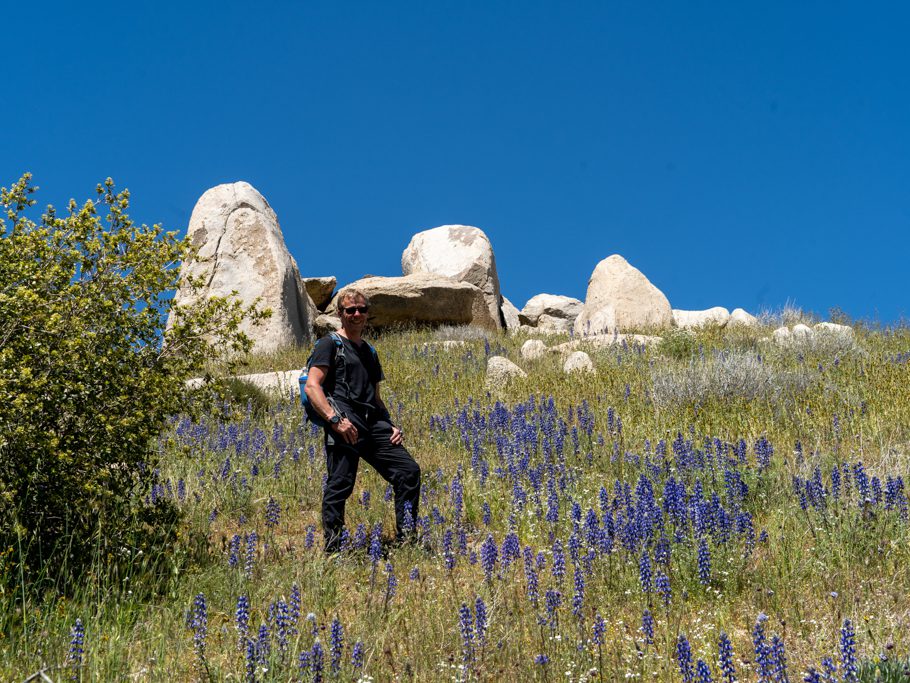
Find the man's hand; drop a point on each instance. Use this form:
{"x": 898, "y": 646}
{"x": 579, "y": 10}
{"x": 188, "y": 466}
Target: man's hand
{"x": 396, "y": 436}
{"x": 346, "y": 429}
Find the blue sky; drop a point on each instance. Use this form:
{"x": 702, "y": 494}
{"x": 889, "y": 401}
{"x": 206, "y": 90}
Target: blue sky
{"x": 739, "y": 154}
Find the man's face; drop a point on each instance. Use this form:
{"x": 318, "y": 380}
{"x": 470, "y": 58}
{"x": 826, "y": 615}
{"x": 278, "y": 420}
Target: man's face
{"x": 353, "y": 311}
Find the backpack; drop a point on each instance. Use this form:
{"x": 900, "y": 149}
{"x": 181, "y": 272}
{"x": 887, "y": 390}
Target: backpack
{"x": 308, "y": 408}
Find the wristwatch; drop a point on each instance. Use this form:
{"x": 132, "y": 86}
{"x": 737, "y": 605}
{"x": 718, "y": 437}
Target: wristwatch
{"x": 334, "y": 420}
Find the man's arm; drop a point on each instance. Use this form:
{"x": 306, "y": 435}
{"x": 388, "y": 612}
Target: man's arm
{"x": 314, "y": 392}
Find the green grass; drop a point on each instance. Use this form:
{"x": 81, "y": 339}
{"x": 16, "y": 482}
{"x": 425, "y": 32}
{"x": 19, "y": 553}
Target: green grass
{"x": 815, "y": 569}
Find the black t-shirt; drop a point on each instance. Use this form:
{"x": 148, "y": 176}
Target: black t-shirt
{"x": 351, "y": 382}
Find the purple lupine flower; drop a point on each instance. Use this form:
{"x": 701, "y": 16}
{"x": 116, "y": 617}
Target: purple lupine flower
{"x": 316, "y": 662}
{"x": 234, "y": 551}
{"x": 779, "y": 660}
{"x": 467, "y": 633}
{"x": 812, "y": 676}
{"x": 242, "y": 622}
{"x": 365, "y": 499}
{"x": 542, "y": 660}
{"x": 336, "y": 644}
{"x": 414, "y": 574}
{"x": 553, "y": 600}
{"x": 200, "y": 626}
{"x": 480, "y": 620}
{"x": 830, "y": 670}
{"x": 511, "y": 549}
{"x": 75, "y": 656}
{"x": 647, "y": 626}
{"x": 703, "y": 672}
{"x": 849, "y": 667}
{"x": 578, "y": 596}
{"x": 361, "y": 538}
{"x": 725, "y": 659}
{"x": 310, "y": 536}
{"x": 486, "y": 513}
{"x": 488, "y": 557}
{"x": 249, "y": 660}
{"x": 704, "y": 563}
{"x": 272, "y": 513}
{"x": 357, "y": 655}
{"x": 282, "y": 626}
{"x": 530, "y": 576}
{"x": 559, "y": 562}
{"x": 644, "y": 571}
{"x": 263, "y": 645}
{"x": 448, "y": 555}
{"x": 600, "y": 630}
{"x": 391, "y": 587}
{"x": 684, "y": 659}
{"x": 375, "y": 551}
{"x": 762, "y": 650}
{"x": 662, "y": 585}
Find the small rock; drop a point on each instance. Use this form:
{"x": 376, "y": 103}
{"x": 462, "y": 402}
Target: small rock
{"x": 320, "y": 290}
{"x": 325, "y": 324}
{"x": 533, "y": 349}
{"x": 782, "y": 335}
{"x": 717, "y": 316}
{"x": 578, "y": 361}
{"x": 801, "y": 332}
{"x": 500, "y": 371}
{"x": 844, "y": 331}
{"x": 740, "y": 318}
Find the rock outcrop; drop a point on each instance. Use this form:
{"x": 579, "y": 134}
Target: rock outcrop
{"x": 422, "y": 298}
{"x": 620, "y": 298}
{"x": 240, "y": 248}
{"x": 460, "y": 252}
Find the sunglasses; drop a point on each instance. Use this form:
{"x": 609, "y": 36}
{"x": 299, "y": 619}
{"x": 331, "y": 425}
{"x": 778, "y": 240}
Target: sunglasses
{"x": 351, "y": 310}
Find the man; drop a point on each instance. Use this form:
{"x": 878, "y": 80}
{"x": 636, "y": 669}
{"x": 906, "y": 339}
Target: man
{"x": 358, "y": 425}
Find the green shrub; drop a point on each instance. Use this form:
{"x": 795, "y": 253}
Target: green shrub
{"x": 87, "y": 379}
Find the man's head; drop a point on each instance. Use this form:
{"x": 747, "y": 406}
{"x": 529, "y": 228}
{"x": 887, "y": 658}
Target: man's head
{"x": 353, "y": 308}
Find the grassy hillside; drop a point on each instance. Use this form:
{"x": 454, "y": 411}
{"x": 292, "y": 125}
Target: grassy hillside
{"x": 710, "y": 493}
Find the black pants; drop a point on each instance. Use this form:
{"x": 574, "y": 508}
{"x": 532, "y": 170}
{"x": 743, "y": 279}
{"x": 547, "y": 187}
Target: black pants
{"x": 393, "y": 463}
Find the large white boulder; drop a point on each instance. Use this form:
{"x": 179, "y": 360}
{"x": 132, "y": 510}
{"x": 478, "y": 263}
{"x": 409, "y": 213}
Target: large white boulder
{"x": 501, "y": 371}
{"x": 741, "y": 318}
{"x": 461, "y": 252}
{"x": 711, "y": 317}
{"x": 552, "y": 305}
{"x": 239, "y": 247}
{"x": 422, "y": 298}
{"x": 620, "y": 298}
{"x": 578, "y": 361}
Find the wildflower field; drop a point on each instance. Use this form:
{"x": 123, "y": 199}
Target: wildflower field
{"x": 714, "y": 508}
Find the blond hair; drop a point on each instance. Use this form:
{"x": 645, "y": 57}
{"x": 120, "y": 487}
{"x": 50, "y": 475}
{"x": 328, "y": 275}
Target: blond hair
{"x": 351, "y": 293}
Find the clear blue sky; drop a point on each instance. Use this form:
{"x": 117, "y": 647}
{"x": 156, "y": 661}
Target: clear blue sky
{"x": 739, "y": 154}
